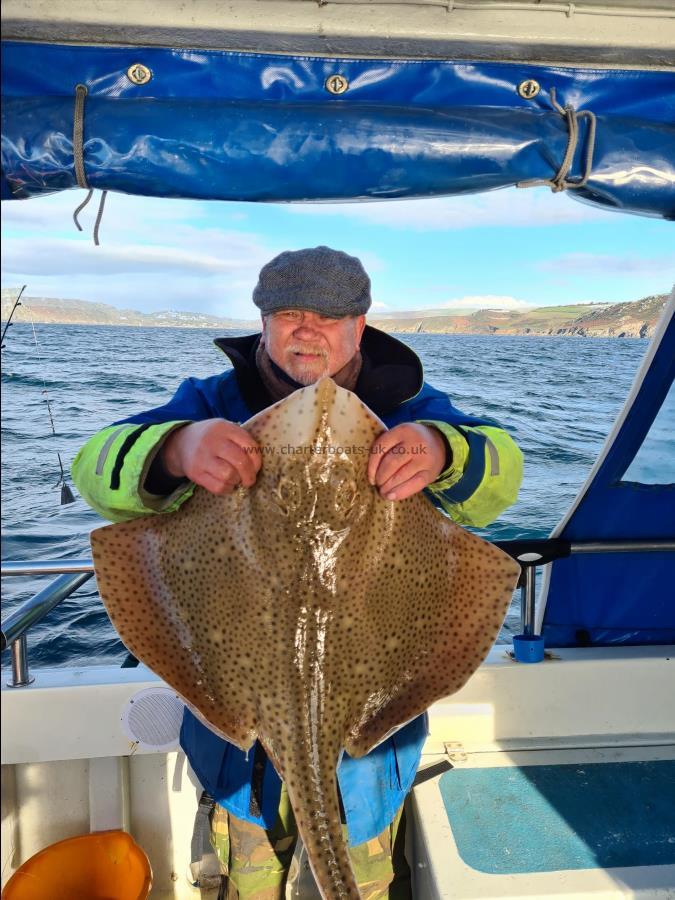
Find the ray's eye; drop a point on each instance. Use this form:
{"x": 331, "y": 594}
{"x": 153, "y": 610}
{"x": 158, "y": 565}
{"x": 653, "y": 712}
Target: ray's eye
{"x": 345, "y": 496}
{"x": 287, "y": 494}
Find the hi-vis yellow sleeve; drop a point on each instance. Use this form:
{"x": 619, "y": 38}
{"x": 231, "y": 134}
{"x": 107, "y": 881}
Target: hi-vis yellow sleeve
{"x": 110, "y": 471}
{"x": 485, "y": 474}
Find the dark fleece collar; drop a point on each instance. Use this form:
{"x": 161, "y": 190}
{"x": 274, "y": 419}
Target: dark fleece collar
{"x": 391, "y": 372}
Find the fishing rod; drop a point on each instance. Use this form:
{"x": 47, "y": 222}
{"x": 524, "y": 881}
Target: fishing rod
{"x": 17, "y": 303}
{"x": 66, "y": 493}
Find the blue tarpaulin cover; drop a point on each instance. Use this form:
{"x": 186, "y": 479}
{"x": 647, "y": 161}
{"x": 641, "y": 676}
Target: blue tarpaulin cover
{"x": 624, "y": 598}
{"x": 245, "y": 126}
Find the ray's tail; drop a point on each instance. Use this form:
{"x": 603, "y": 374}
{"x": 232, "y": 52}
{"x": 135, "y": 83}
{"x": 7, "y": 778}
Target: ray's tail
{"x": 311, "y": 779}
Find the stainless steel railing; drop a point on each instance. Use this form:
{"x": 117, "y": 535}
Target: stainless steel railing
{"x": 73, "y": 573}
{"x": 538, "y": 552}
{"x": 47, "y": 567}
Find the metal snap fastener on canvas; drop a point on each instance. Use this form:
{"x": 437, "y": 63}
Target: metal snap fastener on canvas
{"x": 336, "y": 84}
{"x": 139, "y": 74}
{"x": 529, "y": 89}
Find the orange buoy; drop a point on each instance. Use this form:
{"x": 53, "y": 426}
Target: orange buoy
{"x": 104, "y": 865}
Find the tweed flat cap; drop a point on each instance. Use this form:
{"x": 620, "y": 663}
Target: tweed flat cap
{"x": 325, "y": 281}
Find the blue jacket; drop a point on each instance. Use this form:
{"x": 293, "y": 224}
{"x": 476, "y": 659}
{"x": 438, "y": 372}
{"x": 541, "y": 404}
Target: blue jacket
{"x": 484, "y": 459}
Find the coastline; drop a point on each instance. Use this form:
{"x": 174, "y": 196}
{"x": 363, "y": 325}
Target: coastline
{"x": 253, "y": 327}
{"x": 633, "y": 319}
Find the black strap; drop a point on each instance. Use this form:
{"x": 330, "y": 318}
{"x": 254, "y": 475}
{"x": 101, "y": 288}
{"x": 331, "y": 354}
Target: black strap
{"x": 204, "y": 864}
{"x": 202, "y": 828}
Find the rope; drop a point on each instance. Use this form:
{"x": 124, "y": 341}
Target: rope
{"x": 540, "y": 6}
{"x": 78, "y": 135}
{"x": 560, "y": 182}
{"x": 78, "y": 158}
{"x": 81, "y": 207}
{"x": 99, "y": 216}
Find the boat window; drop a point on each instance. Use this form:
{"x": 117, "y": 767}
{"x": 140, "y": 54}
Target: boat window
{"x": 654, "y": 463}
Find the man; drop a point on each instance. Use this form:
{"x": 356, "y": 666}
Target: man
{"x": 313, "y": 304}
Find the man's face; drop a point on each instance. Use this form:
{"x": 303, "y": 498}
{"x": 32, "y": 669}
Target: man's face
{"x": 307, "y": 345}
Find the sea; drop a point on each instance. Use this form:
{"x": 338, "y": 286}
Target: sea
{"x": 558, "y": 397}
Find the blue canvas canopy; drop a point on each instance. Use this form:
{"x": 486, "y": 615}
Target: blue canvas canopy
{"x": 244, "y": 126}
{"x": 623, "y": 598}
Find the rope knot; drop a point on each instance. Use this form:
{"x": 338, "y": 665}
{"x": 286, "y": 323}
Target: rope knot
{"x": 561, "y": 181}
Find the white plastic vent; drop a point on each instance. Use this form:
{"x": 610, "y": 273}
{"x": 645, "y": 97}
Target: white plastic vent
{"x": 152, "y": 718}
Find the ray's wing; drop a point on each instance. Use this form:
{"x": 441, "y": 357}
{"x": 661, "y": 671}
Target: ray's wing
{"x": 174, "y": 586}
{"x": 430, "y": 630}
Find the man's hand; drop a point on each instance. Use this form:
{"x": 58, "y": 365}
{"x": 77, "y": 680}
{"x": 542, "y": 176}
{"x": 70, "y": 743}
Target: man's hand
{"x": 216, "y": 454}
{"x": 406, "y": 459}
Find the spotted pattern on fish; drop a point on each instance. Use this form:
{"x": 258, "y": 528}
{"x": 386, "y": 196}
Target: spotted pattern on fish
{"x": 307, "y": 611}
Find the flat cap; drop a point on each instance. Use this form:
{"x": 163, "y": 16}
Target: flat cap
{"x": 325, "y": 281}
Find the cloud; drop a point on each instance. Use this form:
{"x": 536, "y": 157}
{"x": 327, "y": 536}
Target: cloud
{"x": 145, "y": 217}
{"x": 509, "y": 207}
{"x": 206, "y": 272}
{"x": 63, "y": 257}
{"x": 124, "y": 215}
{"x": 139, "y": 229}
{"x": 608, "y": 265}
{"x": 154, "y": 254}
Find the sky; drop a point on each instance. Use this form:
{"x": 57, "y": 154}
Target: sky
{"x": 507, "y": 249}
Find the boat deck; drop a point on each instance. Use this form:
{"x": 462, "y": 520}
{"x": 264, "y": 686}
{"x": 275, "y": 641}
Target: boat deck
{"x": 595, "y": 822}
{"x": 556, "y": 779}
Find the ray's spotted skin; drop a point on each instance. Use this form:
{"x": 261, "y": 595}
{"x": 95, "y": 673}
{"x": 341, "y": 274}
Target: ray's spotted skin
{"x": 307, "y": 611}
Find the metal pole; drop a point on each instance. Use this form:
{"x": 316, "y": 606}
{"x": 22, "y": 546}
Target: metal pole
{"x": 527, "y": 598}
{"x": 47, "y": 567}
{"x": 20, "y": 673}
{"x": 645, "y": 546}
{"x": 34, "y": 610}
